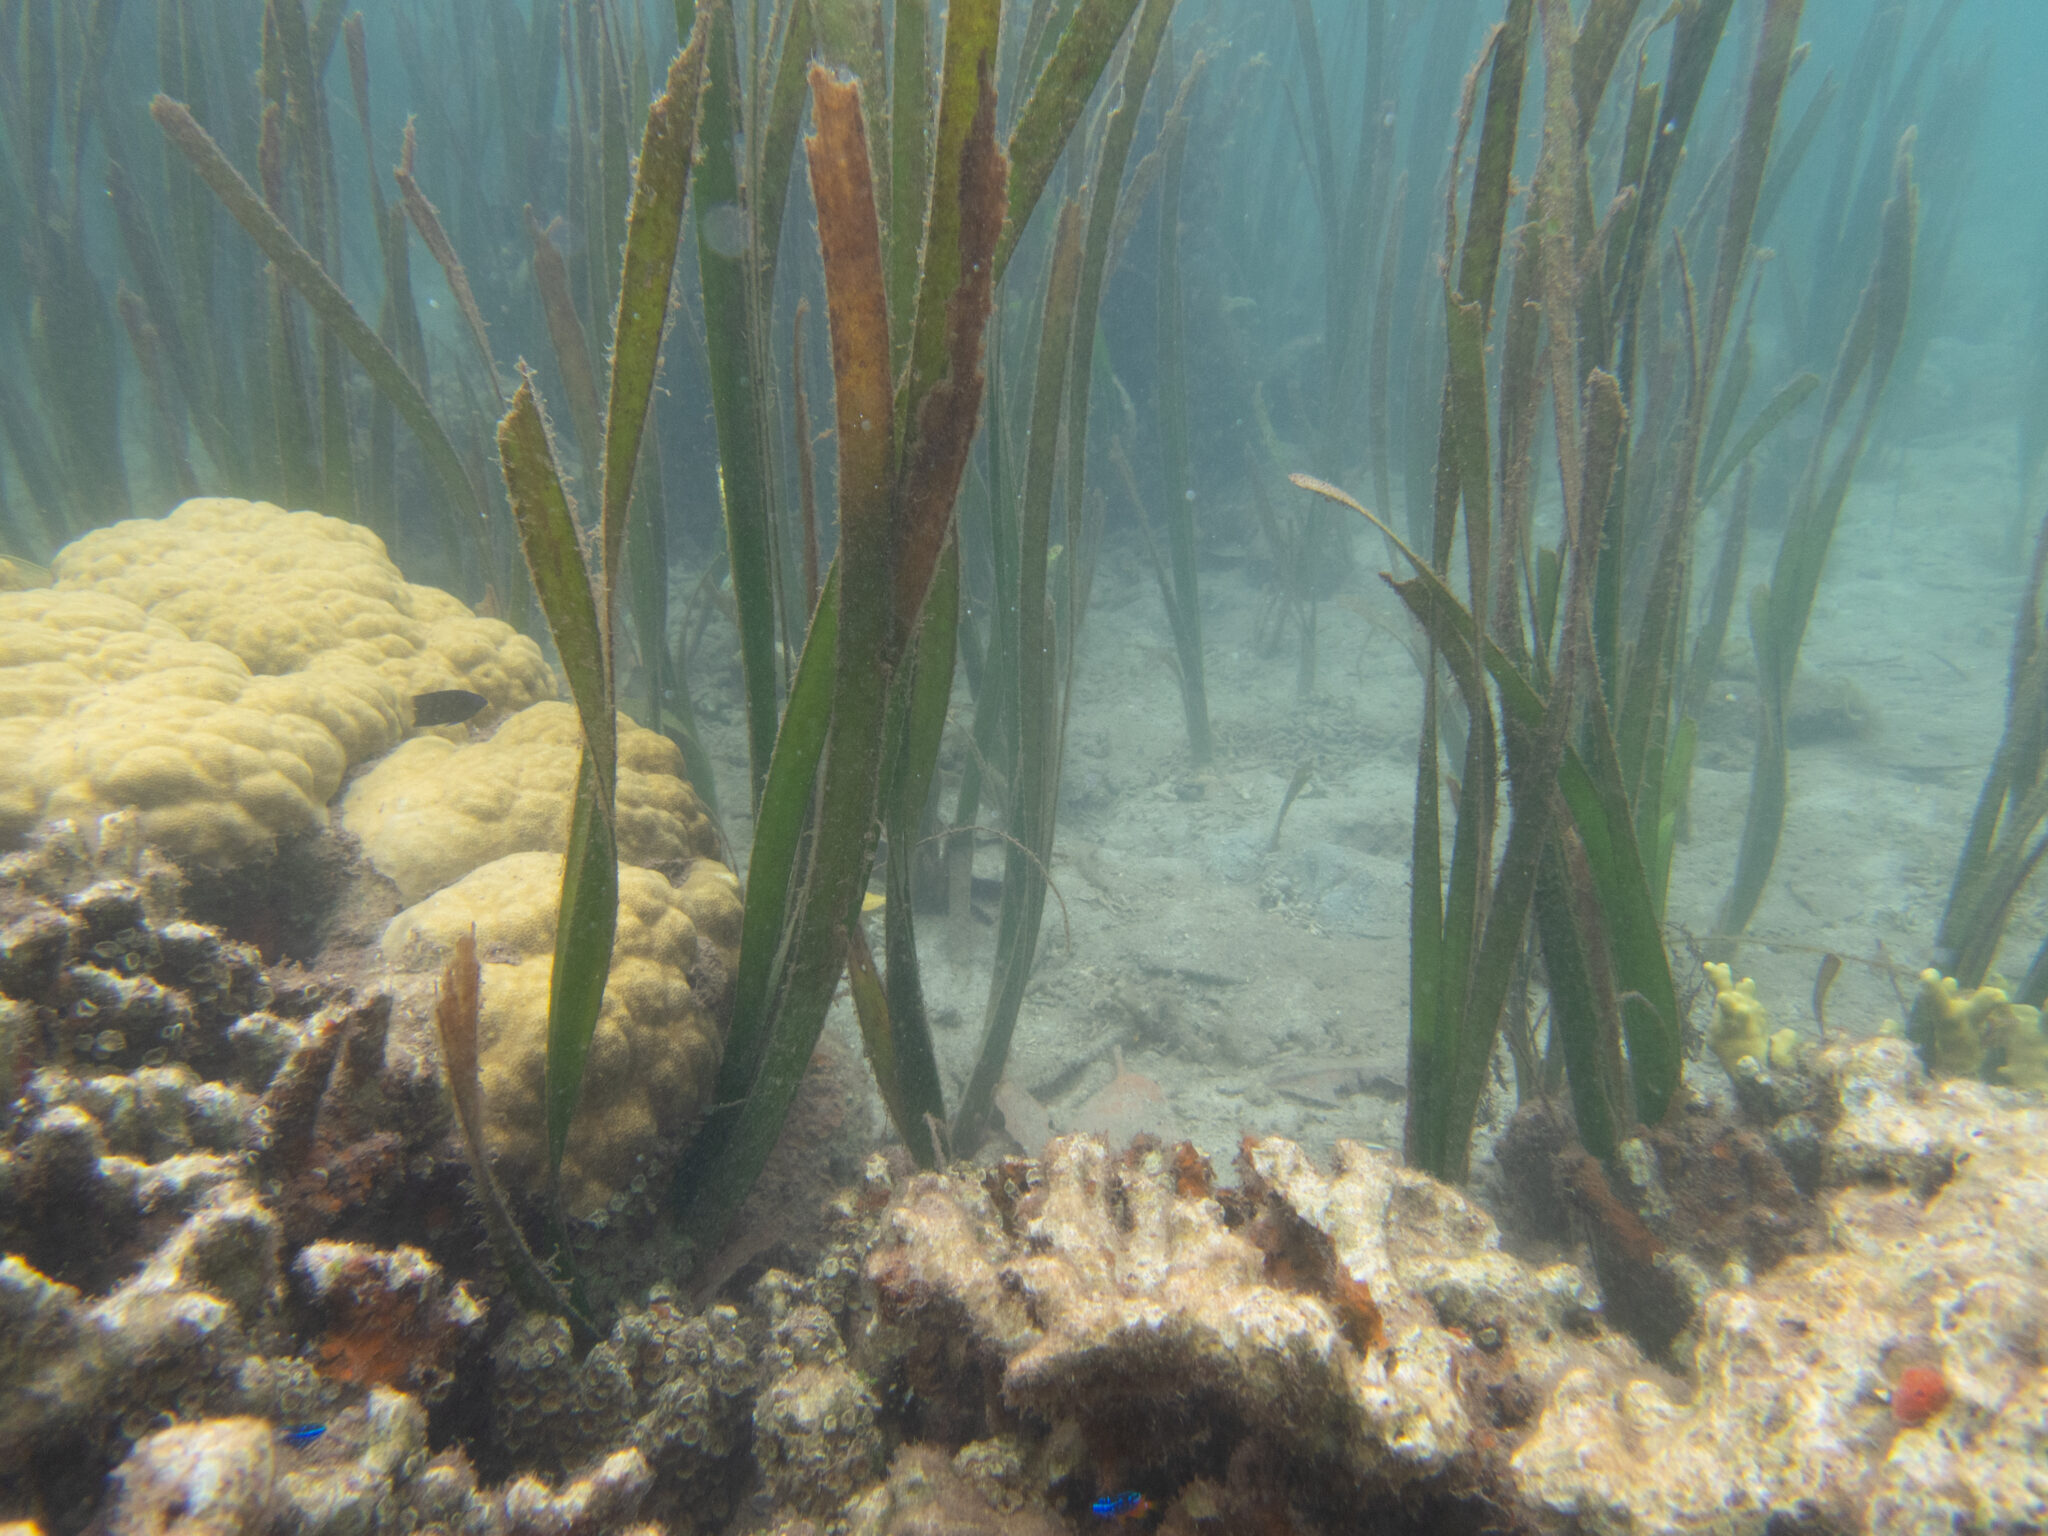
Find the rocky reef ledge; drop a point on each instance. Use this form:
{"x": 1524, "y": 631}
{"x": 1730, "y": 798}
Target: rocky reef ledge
{"x": 1352, "y": 1350}
{"x": 243, "y": 1294}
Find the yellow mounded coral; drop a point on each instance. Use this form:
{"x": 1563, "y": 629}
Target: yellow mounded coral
{"x": 217, "y": 763}
{"x": 1979, "y": 1033}
{"x": 102, "y": 707}
{"x": 219, "y": 670}
{"x": 54, "y": 647}
{"x": 655, "y": 1054}
{"x": 1741, "y": 1026}
{"x": 433, "y": 811}
{"x": 283, "y": 590}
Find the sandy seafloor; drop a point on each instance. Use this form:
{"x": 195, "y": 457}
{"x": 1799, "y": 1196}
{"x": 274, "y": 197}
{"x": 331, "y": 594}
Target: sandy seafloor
{"x": 1256, "y": 991}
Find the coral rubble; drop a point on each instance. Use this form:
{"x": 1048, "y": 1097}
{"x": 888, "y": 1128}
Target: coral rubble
{"x": 1183, "y": 1339}
{"x": 928, "y": 1491}
{"x": 370, "y": 1470}
{"x": 815, "y": 1436}
{"x": 1935, "y": 1258}
{"x": 1179, "y": 1335}
{"x": 673, "y": 1386}
{"x": 196, "y": 1332}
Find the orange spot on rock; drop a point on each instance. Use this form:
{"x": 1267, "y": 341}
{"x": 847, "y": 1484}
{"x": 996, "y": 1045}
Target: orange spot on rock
{"x": 1193, "y": 1178}
{"x": 1920, "y": 1393}
{"x": 1358, "y": 1315}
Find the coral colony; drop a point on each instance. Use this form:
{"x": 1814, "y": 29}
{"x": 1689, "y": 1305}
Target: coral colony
{"x": 245, "y": 1271}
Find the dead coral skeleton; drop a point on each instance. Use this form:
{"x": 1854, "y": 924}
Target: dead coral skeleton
{"x": 1355, "y": 1329}
{"x": 322, "y": 1144}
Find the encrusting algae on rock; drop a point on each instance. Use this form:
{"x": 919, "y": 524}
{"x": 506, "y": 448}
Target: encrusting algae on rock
{"x": 1136, "y": 1313}
{"x": 1109, "y": 1292}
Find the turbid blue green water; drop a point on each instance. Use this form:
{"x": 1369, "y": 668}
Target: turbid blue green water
{"x": 1028, "y": 765}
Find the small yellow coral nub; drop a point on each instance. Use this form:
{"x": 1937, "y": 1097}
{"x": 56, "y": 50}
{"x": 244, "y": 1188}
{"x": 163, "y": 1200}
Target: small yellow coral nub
{"x": 1979, "y": 1033}
{"x": 1742, "y": 1027}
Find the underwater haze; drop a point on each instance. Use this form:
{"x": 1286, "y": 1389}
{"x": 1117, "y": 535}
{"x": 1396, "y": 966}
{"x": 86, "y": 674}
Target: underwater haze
{"x": 1029, "y": 766}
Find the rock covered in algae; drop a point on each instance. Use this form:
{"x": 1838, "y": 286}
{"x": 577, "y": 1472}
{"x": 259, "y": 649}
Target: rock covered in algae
{"x": 365, "y": 1469}
{"x": 1936, "y": 1260}
{"x": 815, "y": 1436}
{"x": 369, "y": 1470}
{"x": 384, "y": 1316}
{"x": 603, "y": 1499}
{"x": 140, "y": 1260}
{"x": 1313, "y": 1340}
{"x": 150, "y": 1183}
{"x": 674, "y": 1386}
{"x": 1363, "y": 1324}
{"x": 105, "y": 988}
{"x": 165, "y": 1337}
{"x": 434, "y": 810}
{"x": 656, "y": 1047}
{"x": 929, "y": 1492}
{"x": 183, "y": 1221}
{"x": 214, "y": 1478}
